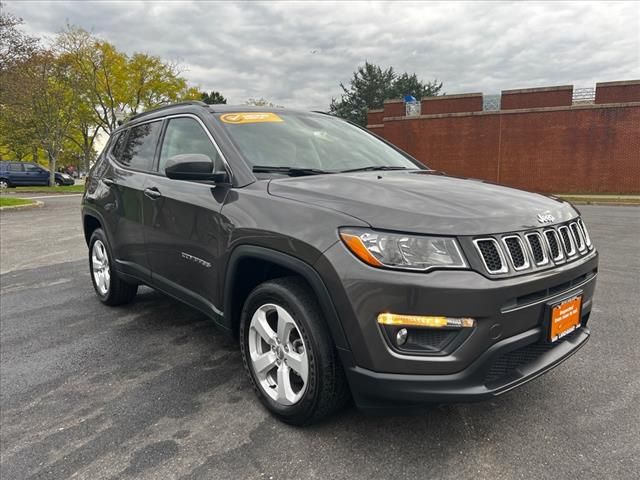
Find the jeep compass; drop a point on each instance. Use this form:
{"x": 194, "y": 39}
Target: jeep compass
{"x": 344, "y": 267}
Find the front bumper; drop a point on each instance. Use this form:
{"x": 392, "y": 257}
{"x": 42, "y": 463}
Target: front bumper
{"x": 503, "y": 367}
{"x": 510, "y": 328}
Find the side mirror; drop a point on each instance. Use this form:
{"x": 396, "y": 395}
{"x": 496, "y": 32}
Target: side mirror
{"x": 192, "y": 166}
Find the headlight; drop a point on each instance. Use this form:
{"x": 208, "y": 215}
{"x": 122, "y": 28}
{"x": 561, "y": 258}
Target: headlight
{"x": 409, "y": 252}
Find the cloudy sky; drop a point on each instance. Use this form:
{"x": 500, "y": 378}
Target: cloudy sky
{"x": 296, "y": 53}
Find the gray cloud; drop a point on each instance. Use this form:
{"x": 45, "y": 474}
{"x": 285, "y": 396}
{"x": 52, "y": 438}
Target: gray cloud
{"x": 296, "y": 53}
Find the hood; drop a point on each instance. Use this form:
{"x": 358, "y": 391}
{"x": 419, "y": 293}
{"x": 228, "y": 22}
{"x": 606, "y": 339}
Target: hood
{"x": 424, "y": 202}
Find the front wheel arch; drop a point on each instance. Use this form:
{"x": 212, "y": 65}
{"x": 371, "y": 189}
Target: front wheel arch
{"x": 293, "y": 266}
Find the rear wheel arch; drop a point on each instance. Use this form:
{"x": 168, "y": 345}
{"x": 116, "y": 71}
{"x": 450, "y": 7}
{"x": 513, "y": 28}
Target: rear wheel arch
{"x": 90, "y": 224}
{"x": 249, "y": 266}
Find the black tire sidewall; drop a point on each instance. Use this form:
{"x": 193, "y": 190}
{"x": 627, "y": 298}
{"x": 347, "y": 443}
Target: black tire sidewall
{"x": 271, "y": 292}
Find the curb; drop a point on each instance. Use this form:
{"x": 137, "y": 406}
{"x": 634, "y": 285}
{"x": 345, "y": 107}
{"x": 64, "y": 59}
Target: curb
{"x": 35, "y": 204}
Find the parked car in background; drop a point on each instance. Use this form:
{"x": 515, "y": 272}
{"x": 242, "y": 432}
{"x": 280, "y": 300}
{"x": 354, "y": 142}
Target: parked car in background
{"x": 18, "y": 174}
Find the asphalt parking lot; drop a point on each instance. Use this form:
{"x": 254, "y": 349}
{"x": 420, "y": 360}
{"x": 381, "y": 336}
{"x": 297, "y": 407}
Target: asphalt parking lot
{"x": 153, "y": 391}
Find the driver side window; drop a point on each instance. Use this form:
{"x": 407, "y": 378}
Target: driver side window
{"x": 185, "y": 135}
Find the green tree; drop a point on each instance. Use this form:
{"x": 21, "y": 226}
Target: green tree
{"x": 371, "y": 85}
{"x": 116, "y": 85}
{"x": 409, "y": 84}
{"x": 16, "y": 132}
{"x": 212, "y": 98}
{"x": 49, "y": 102}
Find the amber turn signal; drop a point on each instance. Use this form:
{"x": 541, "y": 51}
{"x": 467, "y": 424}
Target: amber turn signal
{"x": 424, "y": 321}
{"x": 354, "y": 243}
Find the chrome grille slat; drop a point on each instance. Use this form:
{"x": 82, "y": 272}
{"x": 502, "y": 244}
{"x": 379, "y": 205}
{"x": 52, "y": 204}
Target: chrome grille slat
{"x": 577, "y": 237}
{"x": 537, "y": 248}
{"x": 489, "y": 249}
{"x": 517, "y": 253}
{"x": 567, "y": 241}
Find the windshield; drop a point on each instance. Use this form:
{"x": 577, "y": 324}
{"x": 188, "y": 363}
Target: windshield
{"x": 307, "y": 141}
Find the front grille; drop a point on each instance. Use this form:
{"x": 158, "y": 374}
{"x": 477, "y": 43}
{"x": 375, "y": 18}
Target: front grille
{"x": 537, "y": 248}
{"x": 554, "y": 245}
{"x": 491, "y": 256}
{"x": 585, "y": 233}
{"x": 516, "y": 252}
{"x": 507, "y": 363}
{"x": 577, "y": 236}
{"x": 567, "y": 242}
{"x": 531, "y": 249}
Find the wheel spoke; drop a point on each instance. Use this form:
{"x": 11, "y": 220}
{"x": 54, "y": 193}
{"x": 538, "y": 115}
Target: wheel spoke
{"x": 97, "y": 264}
{"x": 261, "y": 326}
{"x": 298, "y": 363}
{"x": 285, "y": 325}
{"x": 263, "y": 363}
{"x": 286, "y": 396}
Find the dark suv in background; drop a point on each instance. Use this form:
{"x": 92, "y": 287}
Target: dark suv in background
{"x": 20, "y": 174}
{"x": 343, "y": 266}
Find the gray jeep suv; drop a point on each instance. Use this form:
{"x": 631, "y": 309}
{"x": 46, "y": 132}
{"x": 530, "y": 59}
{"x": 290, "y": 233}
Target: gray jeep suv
{"x": 344, "y": 267}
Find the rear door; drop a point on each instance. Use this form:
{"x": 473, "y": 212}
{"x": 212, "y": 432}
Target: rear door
{"x": 182, "y": 219}
{"x": 17, "y": 175}
{"x": 131, "y": 162}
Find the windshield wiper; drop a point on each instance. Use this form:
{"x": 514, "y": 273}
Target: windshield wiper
{"x": 291, "y": 171}
{"x": 373, "y": 168}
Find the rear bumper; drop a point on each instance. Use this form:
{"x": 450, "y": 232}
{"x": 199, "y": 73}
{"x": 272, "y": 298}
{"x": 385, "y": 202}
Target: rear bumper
{"x": 506, "y": 365}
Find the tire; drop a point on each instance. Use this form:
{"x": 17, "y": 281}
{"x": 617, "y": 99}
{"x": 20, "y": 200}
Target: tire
{"x": 325, "y": 389}
{"x": 58, "y": 183}
{"x": 109, "y": 286}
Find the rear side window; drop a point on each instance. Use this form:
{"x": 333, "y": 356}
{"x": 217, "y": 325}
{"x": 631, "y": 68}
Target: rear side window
{"x": 16, "y": 167}
{"x": 186, "y": 135}
{"x": 118, "y": 144}
{"x": 140, "y": 147}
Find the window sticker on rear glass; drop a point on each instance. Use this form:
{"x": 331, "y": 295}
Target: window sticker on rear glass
{"x": 250, "y": 117}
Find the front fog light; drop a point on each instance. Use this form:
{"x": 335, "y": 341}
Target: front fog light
{"x": 424, "y": 321}
{"x": 401, "y": 336}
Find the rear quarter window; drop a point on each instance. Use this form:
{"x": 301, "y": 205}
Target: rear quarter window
{"x": 139, "y": 148}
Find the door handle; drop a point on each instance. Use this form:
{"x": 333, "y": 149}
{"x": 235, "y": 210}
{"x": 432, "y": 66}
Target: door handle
{"x": 153, "y": 193}
{"x": 108, "y": 182}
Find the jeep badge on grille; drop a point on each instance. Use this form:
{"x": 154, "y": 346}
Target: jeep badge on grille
{"x": 545, "y": 218}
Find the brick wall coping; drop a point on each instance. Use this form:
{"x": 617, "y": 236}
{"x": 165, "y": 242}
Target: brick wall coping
{"x": 376, "y": 110}
{"x": 519, "y": 110}
{"x": 377, "y": 125}
{"x": 537, "y": 90}
{"x": 394, "y": 100}
{"x": 458, "y": 95}
{"x": 618, "y": 84}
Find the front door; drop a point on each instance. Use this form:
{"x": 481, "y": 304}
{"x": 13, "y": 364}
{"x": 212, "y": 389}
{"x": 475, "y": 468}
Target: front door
{"x": 182, "y": 220}
{"x": 36, "y": 175}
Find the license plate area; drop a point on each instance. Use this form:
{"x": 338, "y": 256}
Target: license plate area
{"x": 564, "y": 317}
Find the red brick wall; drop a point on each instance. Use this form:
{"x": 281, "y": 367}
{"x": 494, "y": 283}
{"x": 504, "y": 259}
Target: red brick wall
{"x": 374, "y": 117}
{"x": 583, "y": 149}
{"x": 536, "y": 97}
{"x": 470, "y": 102}
{"x": 618, "y": 92}
{"x": 394, "y": 108}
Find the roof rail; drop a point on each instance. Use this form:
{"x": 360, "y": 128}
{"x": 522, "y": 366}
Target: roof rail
{"x": 186, "y": 102}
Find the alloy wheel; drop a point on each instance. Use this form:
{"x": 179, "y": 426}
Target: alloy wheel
{"x": 4, "y": 184}
{"x": 278, "y": 354}
{"x": 100, "y": 267}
